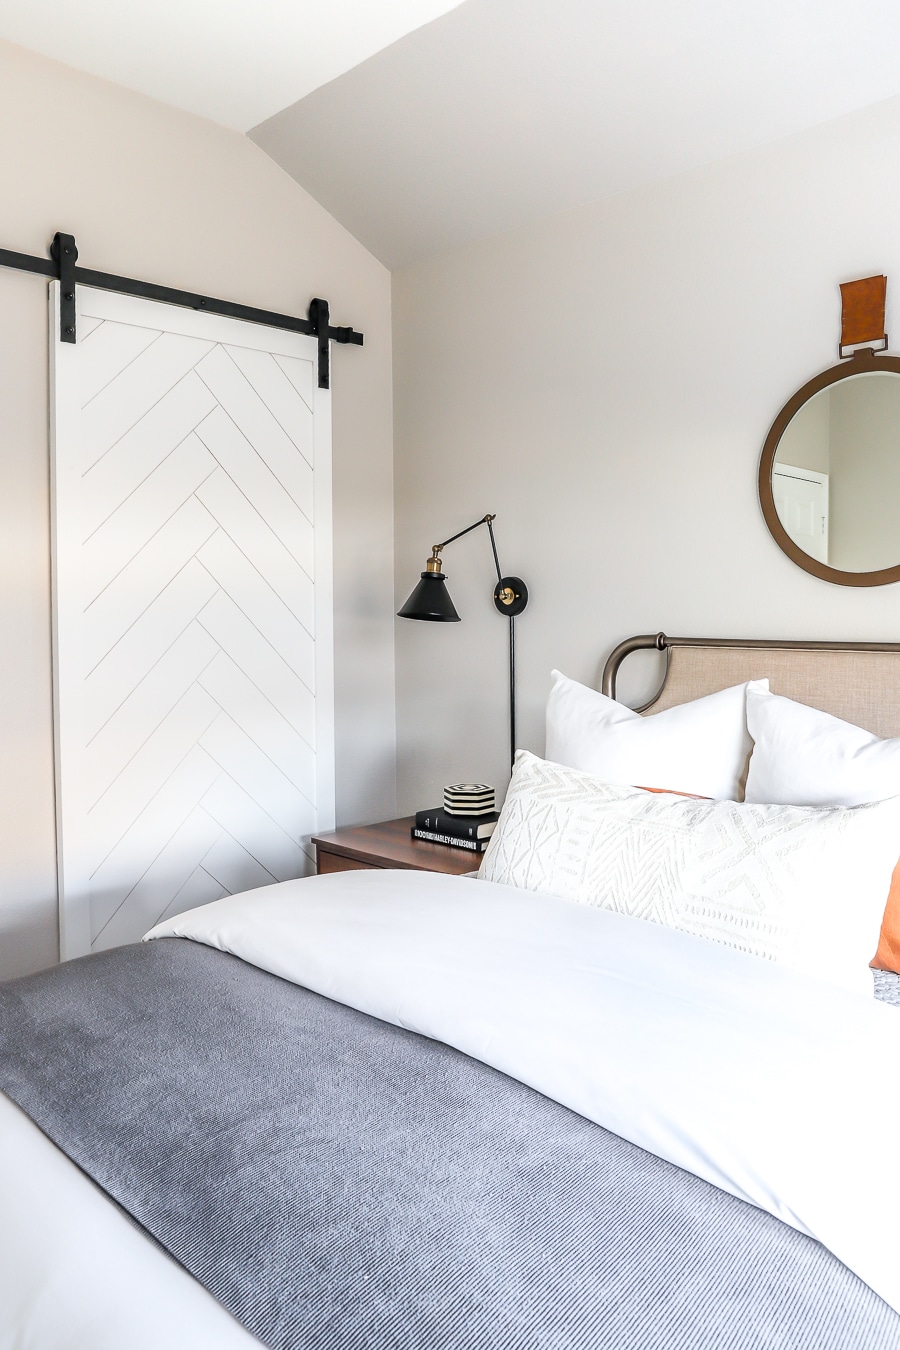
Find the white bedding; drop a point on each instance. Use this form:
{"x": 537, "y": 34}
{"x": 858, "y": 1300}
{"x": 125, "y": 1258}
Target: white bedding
{"x": 76, "y": 1274}
{"x": 750, "y": 1075}
{"x": 755, "y": 1077}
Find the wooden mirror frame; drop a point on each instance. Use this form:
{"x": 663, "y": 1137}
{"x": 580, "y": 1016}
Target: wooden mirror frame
{"x": 862, "y": 362}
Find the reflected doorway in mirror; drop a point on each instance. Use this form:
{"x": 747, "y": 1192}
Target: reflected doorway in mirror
{"x": 801, "y": 500}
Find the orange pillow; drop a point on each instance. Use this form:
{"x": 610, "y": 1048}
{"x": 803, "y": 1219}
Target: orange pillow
{"x": 888, "y": 955}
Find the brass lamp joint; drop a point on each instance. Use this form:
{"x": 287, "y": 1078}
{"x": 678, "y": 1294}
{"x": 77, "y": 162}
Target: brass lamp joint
{"x": 434, "y": 562}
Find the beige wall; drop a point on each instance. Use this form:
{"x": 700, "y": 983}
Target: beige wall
{"x": 152, "y": 192}
{"x": 604, "y": 381}
{"x": 806, "y": 442}
{"x": 865, "y": 473}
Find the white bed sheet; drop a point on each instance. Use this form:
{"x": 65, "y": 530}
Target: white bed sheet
{"x": 76, "y": 1274}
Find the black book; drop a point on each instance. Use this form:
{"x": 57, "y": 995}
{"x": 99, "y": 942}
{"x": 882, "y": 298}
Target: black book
{"x": 452, "y": 840}
{"x": 459, "y": 827}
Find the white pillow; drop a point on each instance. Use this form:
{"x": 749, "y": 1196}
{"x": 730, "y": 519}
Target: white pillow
{"x": 802, "y": 887}
{"x": 809, "y": 758}
{"x": 699, "y": 747}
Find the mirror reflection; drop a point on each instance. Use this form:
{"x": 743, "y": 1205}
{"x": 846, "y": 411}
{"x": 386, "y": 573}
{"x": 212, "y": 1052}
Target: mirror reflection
{"x": 836, "y": 474}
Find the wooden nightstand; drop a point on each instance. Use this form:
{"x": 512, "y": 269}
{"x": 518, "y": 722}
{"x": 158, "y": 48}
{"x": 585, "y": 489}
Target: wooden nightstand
{"x": 388, "y": 844}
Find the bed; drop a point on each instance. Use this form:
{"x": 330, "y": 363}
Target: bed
{"x": 399, "y": 1109}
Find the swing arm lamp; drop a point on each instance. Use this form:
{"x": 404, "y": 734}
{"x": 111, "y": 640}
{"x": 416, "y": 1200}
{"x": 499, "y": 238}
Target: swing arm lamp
{"x": 430, "y": 601}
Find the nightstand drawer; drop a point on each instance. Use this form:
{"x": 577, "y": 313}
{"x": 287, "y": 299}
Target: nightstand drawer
{"x": 335, "y": 862}
{"x": 388, "y": 845}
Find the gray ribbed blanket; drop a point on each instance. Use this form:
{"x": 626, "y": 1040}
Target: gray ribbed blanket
{"x": 341, "y": 1184}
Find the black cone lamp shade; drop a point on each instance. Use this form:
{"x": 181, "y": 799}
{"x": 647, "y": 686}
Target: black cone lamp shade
{"x": 430, "y": 600}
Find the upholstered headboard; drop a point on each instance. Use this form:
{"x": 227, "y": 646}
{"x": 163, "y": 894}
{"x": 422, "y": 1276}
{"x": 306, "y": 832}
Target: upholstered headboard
{"x": 859, "y": 681}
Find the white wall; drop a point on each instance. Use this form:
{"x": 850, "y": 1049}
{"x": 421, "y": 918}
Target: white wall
{"x": 156, "y": 193}
{"x": 604, "y": 381}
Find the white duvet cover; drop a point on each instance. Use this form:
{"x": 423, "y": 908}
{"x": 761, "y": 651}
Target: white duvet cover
{"x": 76, "y": 1274}
{"x": 758, "y": 1079}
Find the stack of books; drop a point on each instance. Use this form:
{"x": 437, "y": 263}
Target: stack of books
{"x": 466, "y": 821}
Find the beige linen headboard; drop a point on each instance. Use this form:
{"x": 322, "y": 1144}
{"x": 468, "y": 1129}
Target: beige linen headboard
{"x": 858, "y": 681}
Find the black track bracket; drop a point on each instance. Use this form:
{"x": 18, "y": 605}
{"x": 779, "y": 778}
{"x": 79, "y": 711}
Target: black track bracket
{"x": 318, "y": 317}
{"x": 65, "y": 255}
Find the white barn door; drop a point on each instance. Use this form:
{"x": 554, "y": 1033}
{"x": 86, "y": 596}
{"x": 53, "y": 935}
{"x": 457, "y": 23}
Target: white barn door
{"x": 192, "y": 607}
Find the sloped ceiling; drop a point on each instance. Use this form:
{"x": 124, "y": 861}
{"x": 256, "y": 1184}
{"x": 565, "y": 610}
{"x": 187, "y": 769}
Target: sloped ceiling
{"x": 504, "y": 111}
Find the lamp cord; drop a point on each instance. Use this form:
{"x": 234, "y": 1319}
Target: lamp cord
{"x": 512, "y": 692}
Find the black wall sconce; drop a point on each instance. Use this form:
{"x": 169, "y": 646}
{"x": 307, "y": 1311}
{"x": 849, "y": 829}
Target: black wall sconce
{"x": 430, "y": 601}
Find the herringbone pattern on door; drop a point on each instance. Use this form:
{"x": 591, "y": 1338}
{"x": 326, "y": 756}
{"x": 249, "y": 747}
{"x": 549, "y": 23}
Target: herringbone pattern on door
{"x": 198, "y": 621}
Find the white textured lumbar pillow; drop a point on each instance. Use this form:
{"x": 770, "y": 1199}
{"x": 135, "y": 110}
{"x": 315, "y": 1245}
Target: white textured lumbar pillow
{"x": 699, "y": 747}
{"x": 809, "y": 758}
{"x": 796, "y": 885}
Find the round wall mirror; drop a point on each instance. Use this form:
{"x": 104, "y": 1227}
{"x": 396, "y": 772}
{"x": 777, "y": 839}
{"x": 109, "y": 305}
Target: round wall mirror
{"x": 829, "y": 477}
